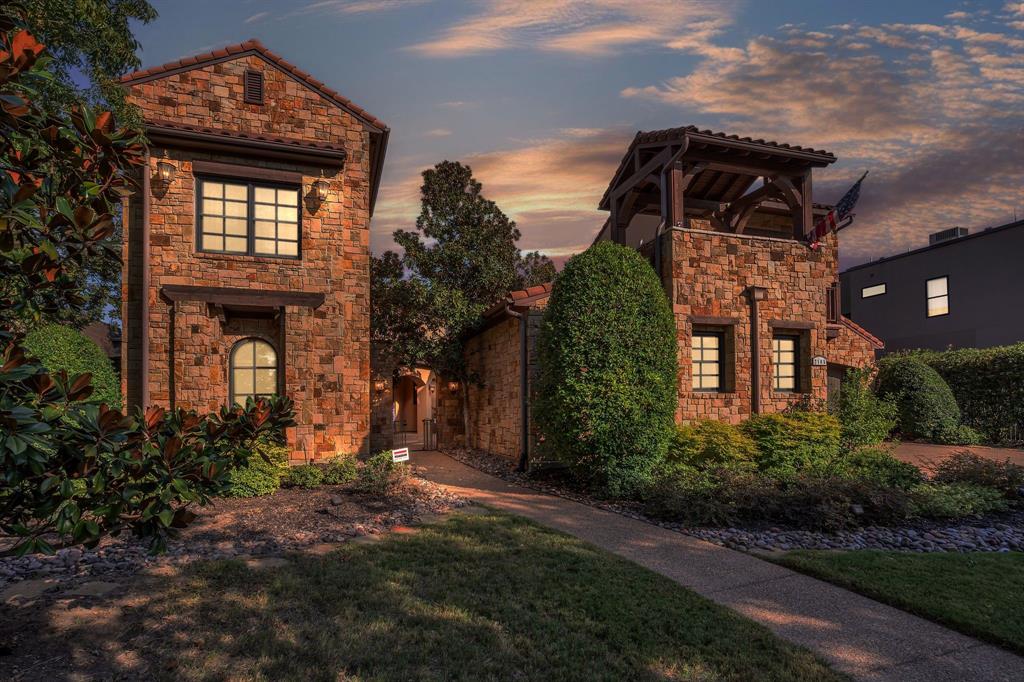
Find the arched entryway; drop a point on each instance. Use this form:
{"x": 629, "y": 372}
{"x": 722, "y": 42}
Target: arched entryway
{"x": 414, "y": 398}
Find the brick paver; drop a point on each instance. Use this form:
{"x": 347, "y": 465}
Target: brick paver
{"x": 926, "y": 455}
{"x": 856, "y": 635}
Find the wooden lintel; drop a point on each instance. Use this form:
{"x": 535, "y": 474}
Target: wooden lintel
{"x": 256, "y": 298}
{"x": 790, "y": 324}
{"x": 235, "y": 170}
{"x": 714, "y": 320}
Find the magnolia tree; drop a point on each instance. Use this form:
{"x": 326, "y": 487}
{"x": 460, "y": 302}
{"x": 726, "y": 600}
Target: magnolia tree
{"x": 72, "y": 470}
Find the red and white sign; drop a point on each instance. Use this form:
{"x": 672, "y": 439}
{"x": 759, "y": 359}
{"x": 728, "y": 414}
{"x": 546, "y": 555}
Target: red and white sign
{"x": 400, "y": 455}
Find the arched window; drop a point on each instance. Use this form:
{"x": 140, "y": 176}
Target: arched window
{"x": 253, "y": 370}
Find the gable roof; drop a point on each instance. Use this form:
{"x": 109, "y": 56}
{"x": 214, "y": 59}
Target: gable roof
{"x": 379, "y": 131}
{"x": 254, "y": 47}
{"x": 864, "y": 333}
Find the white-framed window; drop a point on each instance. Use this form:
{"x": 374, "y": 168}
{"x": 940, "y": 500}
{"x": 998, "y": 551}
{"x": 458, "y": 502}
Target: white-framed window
{"x": 873, "y": 290}
{"x": 786, "y": 362}
{"x": 247, "y": 218}
{"x": 937, "y": 292}
{"x": 706, "y": 355}
{"x": 253, "y": 367}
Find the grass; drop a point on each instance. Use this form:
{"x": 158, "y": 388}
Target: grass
{"x": 477, "y": 597}
{"x": 978, "y": 593}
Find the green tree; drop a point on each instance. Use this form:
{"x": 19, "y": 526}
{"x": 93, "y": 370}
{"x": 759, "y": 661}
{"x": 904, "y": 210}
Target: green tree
{"x": 460, "y": 259}
{"x": 70, "y": 468}
{"x": 606, "y": 397}
{"x": 534, "y": 268}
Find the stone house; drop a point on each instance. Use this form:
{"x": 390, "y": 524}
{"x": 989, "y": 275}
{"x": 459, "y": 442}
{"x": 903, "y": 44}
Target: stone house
{"x": 246, "y": 255}
{"x": 722, "y": 220}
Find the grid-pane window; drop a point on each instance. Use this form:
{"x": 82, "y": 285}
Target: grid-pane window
{"x": 253, "y": 370}
{"x": 223, "y": 217}
{"x": 706, "y": 354}
{"x": 275, "y": 221}
{"x": 248, "y": 218}
{"x": 938, "y": 296}
{"x": 785, "y": 363}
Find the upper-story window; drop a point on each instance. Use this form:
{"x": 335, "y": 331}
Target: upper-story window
{"x": 938, "y": 296}
{"x": 248, "y": 218}
{"x": 873, "y": 290}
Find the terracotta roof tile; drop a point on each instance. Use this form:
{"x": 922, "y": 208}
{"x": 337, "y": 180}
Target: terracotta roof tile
{"x": 257, "y": 47}
{"x": 671, "y": 133}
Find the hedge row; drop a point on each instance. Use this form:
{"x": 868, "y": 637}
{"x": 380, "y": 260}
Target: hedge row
{"x": 988, "y": 384}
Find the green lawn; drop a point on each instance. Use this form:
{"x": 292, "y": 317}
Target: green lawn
{"x": 477, "y": 597}
{"x": 980, "y": 594}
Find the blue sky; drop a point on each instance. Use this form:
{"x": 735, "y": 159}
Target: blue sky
{"x": 542, "y": 97}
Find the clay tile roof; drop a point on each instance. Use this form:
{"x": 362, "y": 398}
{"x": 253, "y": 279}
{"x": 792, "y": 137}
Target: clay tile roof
{"x": 672, "y": 133}
{"x": 258, "y": 48}
{"x": 240, "y": 135}
{"x": 521, "y": 299}
{"x": 874, "y": 340}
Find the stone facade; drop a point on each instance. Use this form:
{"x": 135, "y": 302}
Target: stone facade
{"x": 323, "y": 350}
{"x": 495, "y": 406}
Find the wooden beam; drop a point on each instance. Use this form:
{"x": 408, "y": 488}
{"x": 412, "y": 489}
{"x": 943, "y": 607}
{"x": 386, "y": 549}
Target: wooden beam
{"x": 788, "y": 191}
{"x": 242, "y": 297}
{"x": 806, "y": 209}
{"x": 651, "y": 166}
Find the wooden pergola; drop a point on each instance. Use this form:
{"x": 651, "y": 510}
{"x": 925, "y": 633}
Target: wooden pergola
{"x": 688, "y": 172}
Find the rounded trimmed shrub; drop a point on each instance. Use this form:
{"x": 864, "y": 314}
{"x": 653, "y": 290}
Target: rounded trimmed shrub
{"x": 608, "y": 358}
{"x": 63, "y": 348}
{"x": 926, "y": 406}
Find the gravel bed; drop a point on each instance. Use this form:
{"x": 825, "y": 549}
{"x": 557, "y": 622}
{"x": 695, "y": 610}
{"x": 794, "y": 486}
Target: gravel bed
{"x": 289, "y": 520}
{"x": 1001, "y": 533}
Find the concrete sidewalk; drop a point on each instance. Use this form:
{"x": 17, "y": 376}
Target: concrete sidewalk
{"x": 857, "y": 636}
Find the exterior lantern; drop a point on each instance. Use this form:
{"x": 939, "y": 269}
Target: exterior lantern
{"x": 165, "y": 172}
{"x": 320, "y": 188}
{"x": 380, "y": 385}
{"x": 453, "y": 386}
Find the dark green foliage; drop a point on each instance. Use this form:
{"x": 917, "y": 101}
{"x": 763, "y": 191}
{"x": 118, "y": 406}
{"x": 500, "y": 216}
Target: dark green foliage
{"x": 710, "y": 442}
{"x": 607, "y": 386}
{"x": 966, "y": 467}
{"x": 865, "y": 418}
{"x": 61, "y": 348}
{"x": 727, "y": 497}
{"x": 534, "y": 268}
{"x": 381, "y": 475}
{"x": 304, "y": 476}
{"x": 261, "y": 475}
{"x": 988, "y": 384}
{"x": 341, "y": 469}
{"x": 879, "y": 466}
{"x": 955, "y": 500}
{"x": 796, "y": 441}
{"x": 926, "y": 406}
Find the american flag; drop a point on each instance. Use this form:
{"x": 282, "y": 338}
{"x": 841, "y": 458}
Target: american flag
{"x": 835, "y": 218}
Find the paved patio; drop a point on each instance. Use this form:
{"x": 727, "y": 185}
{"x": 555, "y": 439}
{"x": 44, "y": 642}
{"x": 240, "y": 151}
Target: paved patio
{"x": 858, "y": 636}
{"x": 926, "y": 455}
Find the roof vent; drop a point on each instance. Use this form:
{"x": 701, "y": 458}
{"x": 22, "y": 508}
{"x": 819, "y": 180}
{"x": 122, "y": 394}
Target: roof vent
{"x": 253, "y": 87}
{"x": 947, "y": 235}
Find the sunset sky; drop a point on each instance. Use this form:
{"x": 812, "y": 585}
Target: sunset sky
{"x": 542, "y": 97}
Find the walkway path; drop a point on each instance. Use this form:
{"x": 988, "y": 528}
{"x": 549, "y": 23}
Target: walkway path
{"x": 926, "y": 455}
{"x": 858, "y": 636}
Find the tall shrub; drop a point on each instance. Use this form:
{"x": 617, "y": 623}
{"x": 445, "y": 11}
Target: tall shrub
{"x": 988, "y": 384}
{"x": 607, "y": 385}
{"x": 927, "y": 408}
{"x": 63, "y": 348}
{"x": 866, "y": 419}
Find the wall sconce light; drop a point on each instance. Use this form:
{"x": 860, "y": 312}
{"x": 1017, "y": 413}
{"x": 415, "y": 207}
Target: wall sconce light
{"x": 165, "y": 172}
{"x": 379, "y": 385}
{"x": 320, "y": 188}
{"x": 453, "y": 386}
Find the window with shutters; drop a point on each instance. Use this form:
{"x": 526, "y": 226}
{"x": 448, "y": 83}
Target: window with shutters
{"x": 247, "y": 218}
{"x": 253, "y": 87}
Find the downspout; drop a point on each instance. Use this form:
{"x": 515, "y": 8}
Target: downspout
{"x": 144, "y": 304}
{"x": 524, "y": 387}
{"x": 755, "y": 294}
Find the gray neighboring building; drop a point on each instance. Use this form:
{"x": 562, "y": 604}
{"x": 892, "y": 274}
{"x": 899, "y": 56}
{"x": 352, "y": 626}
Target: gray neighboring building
{"x": 961, "y": 291}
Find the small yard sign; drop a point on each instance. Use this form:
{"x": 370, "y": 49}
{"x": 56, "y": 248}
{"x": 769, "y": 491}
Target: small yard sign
{"x": 819, "y": 361}
{"x": 400, "y": 455}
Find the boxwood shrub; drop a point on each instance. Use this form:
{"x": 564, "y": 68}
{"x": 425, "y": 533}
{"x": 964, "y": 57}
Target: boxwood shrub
{"x": 262, "y": 474}
{"x": 988, "y": 384}
{"x": 607, "y": 382}
{"x": 925, "y": 403}
{"x": 63, "y": 348}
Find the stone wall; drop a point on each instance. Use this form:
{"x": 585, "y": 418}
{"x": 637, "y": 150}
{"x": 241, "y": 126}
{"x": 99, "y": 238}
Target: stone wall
{"x": 494, "y": 407}
{"x": 326, "y": 354}
{"x": 709, "y": 276}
